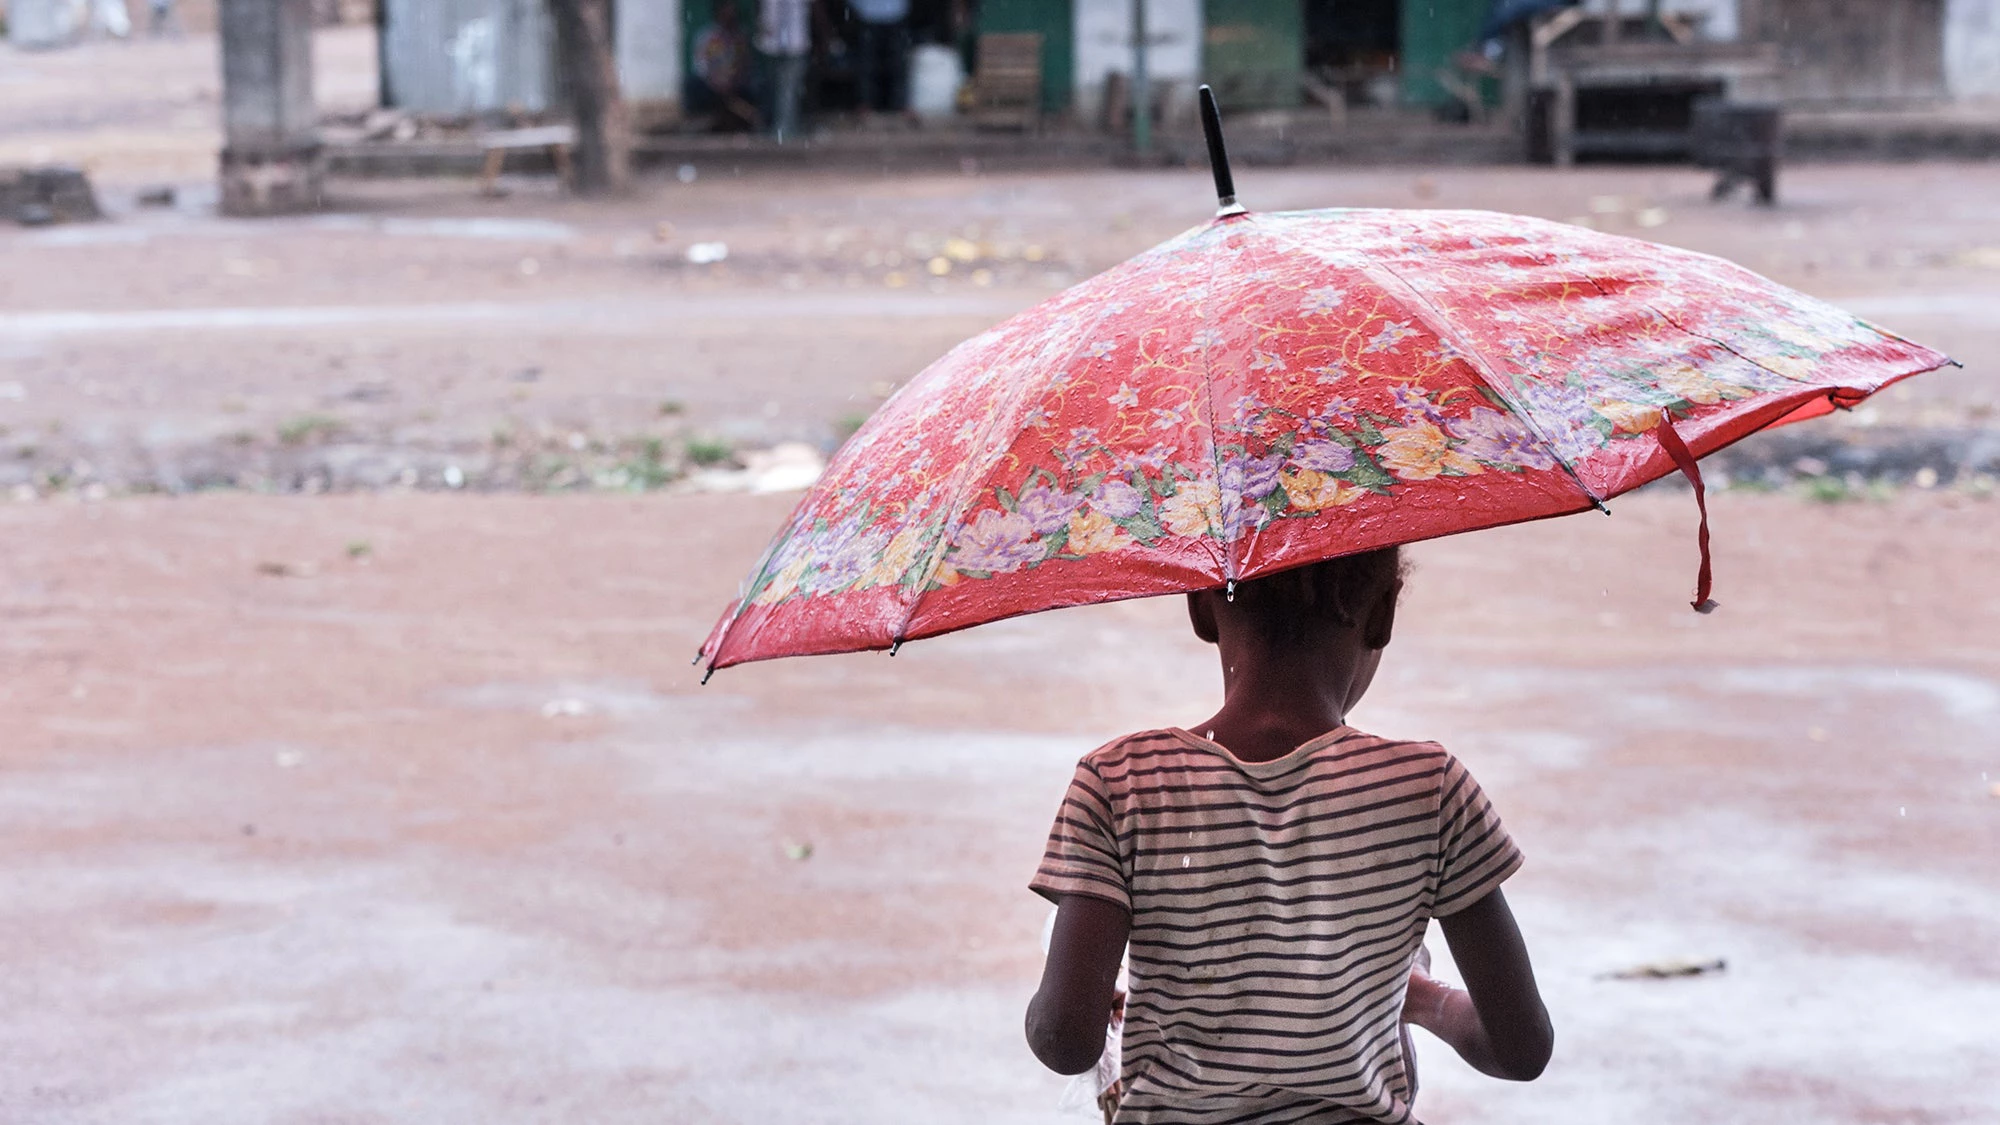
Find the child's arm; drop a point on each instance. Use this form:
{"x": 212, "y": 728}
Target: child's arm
{"x": 1067, "y": 1017}
{"x": 1498, "y": 1024}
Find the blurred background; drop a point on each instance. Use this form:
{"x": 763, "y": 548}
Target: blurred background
{"x": 393, "y": 393}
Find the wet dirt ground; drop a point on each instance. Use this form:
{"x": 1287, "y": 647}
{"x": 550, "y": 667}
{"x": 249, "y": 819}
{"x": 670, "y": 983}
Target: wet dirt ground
{"x": 404, "y": 804}
{"x": 449, "y": 832}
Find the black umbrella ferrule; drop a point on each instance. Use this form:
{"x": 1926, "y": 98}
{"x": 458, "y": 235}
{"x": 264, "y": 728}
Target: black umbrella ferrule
{"x": 1218, "y": 156}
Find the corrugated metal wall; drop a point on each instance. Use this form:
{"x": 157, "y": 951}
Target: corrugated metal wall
{"x": 1972, "y": 48}
{"x": 44, "y": 23}
{"x": 468, "y": 56}
{"x": 1858, "y": 51}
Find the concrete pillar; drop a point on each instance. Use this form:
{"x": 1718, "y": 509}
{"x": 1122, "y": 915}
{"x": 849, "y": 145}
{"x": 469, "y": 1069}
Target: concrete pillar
{"x": 271, "y": 159}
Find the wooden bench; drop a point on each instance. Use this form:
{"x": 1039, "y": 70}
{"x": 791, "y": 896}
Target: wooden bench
{"x": 1007, "y": 85}
{"x": 556, "y": 140}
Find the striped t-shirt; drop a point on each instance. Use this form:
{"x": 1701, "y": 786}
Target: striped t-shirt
{"x": 1276, "y": 907}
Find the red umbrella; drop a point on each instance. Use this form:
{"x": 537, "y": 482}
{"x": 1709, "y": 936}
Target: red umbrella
{"x": 1269, "y": 390}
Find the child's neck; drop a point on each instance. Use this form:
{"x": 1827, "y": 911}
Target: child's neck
{"x": 1273, "y": 703}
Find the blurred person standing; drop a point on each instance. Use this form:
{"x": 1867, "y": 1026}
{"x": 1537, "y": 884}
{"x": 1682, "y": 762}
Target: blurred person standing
{"x": 883, "y": 39}
{"x": 784, "y": 37}
{"x": 721, "y": 65}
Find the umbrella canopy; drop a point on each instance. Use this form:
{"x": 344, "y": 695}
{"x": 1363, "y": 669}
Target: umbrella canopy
{"x": 1268, "y": 390}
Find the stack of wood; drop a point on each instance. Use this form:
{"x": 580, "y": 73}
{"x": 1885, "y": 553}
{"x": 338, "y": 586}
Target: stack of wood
{"x": 1007, "y": 85}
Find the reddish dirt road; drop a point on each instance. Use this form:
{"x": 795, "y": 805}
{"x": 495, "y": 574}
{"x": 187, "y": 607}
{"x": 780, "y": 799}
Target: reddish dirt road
{"x": 448, "y": 831}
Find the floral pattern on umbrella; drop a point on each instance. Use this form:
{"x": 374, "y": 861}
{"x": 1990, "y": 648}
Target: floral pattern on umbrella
{"x": 1271, "y": 389}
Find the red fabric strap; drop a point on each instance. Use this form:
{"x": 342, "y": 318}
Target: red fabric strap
{"x": 1670, "y": 440}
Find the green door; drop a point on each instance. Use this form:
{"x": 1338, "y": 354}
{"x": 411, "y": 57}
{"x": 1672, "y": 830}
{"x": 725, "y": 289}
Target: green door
{"x": 1433, "y": 31}
{"x": 1056, "y": 22}
{"x": 1254, "y": 52}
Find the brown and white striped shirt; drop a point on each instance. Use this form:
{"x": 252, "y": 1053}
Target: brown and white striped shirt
{"x": 1276, "y": 907}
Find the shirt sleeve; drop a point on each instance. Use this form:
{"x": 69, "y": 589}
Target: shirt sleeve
{"x": 1083, "y": 856}
{"x": 1475, "y": 853}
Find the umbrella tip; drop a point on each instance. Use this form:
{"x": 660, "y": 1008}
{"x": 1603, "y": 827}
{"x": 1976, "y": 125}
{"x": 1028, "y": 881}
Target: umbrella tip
{"x": 705, "y": 676}
{"x": 895, "y": 646}
{"x": 1229, "y": 590}
{"x": 1218, "y": 156}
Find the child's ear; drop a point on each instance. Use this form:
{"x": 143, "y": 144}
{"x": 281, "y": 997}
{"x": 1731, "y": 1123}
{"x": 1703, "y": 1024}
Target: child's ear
{"x": 1380, "y": 625}
{"x": 1201, "y": 615}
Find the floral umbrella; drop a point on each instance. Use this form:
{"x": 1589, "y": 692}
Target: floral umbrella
{"x": 1268, "y": 390}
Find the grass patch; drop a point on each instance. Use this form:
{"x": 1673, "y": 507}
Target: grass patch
{"x": 305, "y": 429}
{"x": 846, "y": 425}
{"x": 709, "y": 451}
{"x": 646, "y": 468}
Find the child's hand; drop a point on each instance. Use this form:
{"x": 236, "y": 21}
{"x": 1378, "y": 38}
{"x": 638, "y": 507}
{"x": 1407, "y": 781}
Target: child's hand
{"x": 1424, "y": 1000}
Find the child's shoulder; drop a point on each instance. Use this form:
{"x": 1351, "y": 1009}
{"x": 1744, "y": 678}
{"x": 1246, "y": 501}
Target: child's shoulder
{"x": 1126, "y": 748}
{"x": 1340, "y": 744}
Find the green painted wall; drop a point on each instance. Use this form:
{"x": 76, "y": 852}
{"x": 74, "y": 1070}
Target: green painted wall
{"x": 1433, "y": 31}
{"x": 1254, "y": 52}
{"x": 1057, "y": 23}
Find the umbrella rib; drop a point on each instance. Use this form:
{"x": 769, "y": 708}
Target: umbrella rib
{"x": 1226, "y": 554}
{"x": 1719, "y": 342}
{"x": 1435, "y": 320}
{"x": 962, "y": 486}
{"x": 743, "y": 600}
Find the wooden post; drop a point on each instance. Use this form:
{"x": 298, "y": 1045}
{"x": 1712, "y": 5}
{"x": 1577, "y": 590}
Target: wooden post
{"x": 1562, "y": 123}
{"x": 1142, "y": 86}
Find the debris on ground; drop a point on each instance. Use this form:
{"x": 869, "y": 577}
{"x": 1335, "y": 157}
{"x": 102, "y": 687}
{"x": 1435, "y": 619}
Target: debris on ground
{"x": 159, "y": 195}
{"x": 564, "y": 708}
{"x": 1667, "y": 970}
{"x": 47, "y": 193}
{"x": 274, "y": 569}
{"x": 800, "y": 851}
{"x": 788, "y": 467}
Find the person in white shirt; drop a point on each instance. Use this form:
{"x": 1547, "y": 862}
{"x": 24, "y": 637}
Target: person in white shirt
{"x": 784, "y": 37}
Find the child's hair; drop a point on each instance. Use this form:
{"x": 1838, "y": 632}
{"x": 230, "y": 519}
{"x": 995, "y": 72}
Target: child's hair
{"x": 1289, "y": 605}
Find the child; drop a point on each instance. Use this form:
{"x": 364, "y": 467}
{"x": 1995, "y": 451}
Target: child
{"x": 1274, "y": 875}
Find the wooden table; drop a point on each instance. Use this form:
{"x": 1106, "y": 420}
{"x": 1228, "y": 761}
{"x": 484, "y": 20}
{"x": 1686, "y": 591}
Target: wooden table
{"x": 556, "y": 140}
{"x": 1736, "y": 71}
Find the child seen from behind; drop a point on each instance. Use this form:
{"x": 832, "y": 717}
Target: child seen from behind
{"x": 1273, "y": 871}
